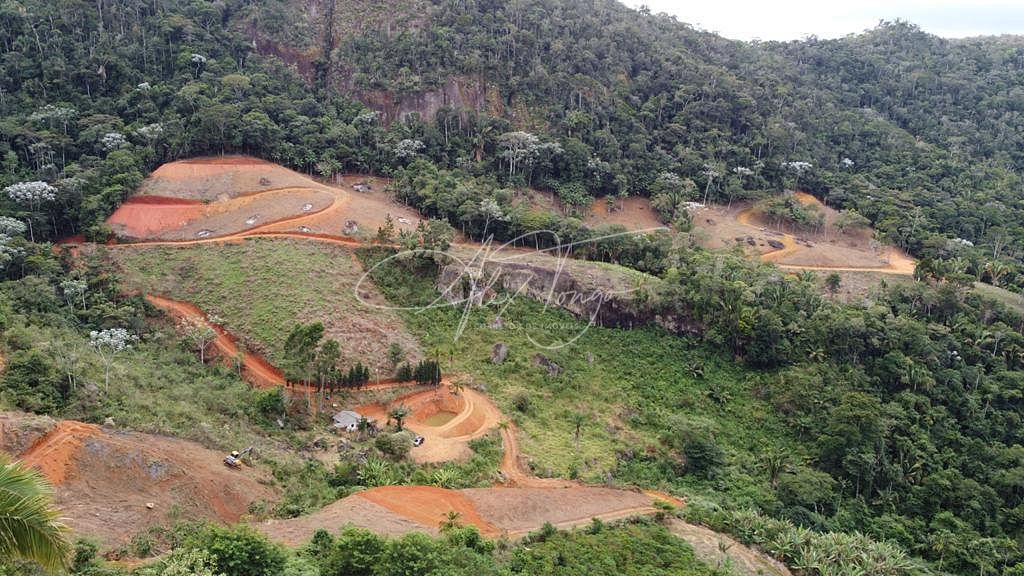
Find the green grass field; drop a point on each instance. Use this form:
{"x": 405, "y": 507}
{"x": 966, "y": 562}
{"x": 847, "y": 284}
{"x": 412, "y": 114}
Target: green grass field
{"x": 626, "y": 388}
{"x": 1012, "y": 300}
{"x": 262, "y": 288}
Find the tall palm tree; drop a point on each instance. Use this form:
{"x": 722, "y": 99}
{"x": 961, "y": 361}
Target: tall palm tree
{"x": 29, "y": 525}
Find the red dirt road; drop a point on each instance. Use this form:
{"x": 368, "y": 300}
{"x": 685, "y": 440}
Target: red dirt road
{"x": 255, "y": 369}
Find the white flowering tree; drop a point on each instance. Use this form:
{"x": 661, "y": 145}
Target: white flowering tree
{"x": 408, "y": 149}
{"x": 490, "y": 208}
{"x": 710, "y": 172}
{"x": 31, "y": 194}
{"x": 519, "y": 148}
{"x": 522, "y": 149}
{"x": 10, "y": 229}
{"x": 74, "y": 292}
{"x": 108, "y": 344}
{"x": 198, "y": 60}
{"x": 798, "y": 168}
{"x": 50, "y": 113}
{"x": 113, "y": 140}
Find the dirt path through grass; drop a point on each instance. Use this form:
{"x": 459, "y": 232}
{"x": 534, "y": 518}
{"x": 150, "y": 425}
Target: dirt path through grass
{"x": 897, "y": 262}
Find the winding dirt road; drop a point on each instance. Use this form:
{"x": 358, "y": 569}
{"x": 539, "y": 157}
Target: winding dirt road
{"x": 896, "y": 262}
{"x": 256, "y": 370}
{"x": 520, "y": 504}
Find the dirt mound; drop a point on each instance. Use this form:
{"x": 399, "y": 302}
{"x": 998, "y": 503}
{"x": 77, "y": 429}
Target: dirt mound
{"x": 825, "y": 250}
{"x": 495, "y": 511}
{"x": 233, "y": 196}
{"x": 518, "y": 511}
{"x": 352, "y": 511}
{"x": 634, "y": 213}
{"x": 106, "y": 480}
{"x": 716, "y": 549}
{"x": 428, "y": 505}
{"x": 52, "y": 453}
{"x": 218, "y": 178}
{"x": 472, "y": 415}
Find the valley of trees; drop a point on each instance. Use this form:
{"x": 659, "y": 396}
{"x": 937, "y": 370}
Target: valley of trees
{"x": 910, "y": 403}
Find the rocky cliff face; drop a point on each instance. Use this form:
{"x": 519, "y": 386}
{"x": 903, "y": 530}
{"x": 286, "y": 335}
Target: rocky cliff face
{"x": 460, "y": 94}
{"x": 317, "y": 27}
{"x": 562, "y": 288}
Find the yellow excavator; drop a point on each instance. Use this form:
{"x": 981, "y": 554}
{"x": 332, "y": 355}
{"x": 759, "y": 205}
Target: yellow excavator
{"x": 234, "y": 460}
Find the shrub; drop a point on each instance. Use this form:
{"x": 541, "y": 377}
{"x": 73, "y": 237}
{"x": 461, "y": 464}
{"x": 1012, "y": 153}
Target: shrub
{"x": 32, "y": 382}
{"x": 395, "y": 445}
{"x": 240, "y": 551}
{"x": 271, "y": 403}
{"x": 521, "y": 402}
{"x": 356, "y": 552}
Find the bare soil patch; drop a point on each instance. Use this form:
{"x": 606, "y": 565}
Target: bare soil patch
{"x": 367, "y": 208}
{"x": 135, "y": 219}
{"x": 718, "y": 549}
{"x": 106, "y": 479}
{"x": 520, "y": 510}
{"x": 827, "y": 249}
{"x": 494, "y": 511}
{"x": 232, "y": 196}
{"x": 352, "y": 511}
{"x": 219, "y": 178}
{"x": 465, "y": 416}
{"x": 635, "y": 213}
{"x": 428, "y": 505}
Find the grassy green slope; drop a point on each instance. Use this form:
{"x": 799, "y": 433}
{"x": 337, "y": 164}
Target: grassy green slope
{"x": 262, "y": 288}
{"x": 639, "y": 387}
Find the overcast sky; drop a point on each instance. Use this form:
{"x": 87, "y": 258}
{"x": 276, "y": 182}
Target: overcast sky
{"x": 794, "y": 19}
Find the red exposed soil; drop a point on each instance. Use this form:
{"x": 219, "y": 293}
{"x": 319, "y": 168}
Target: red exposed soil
{"x": 428, "y": 505}
{"x": 51, "y": 454}
{"x": 475, "y": 416}
{"x": 634, "y": 213}
{"x": 351, "y": 511}
{"x": 255, "y": 368}
{"x": 162, "y": 201}
{"x": 246, "y": 196}
{"x": 389, "y": 509}
{"x": 511, "y": 512}
{"x": 144, "y": 219}
{"x": 105, "y": 480}
{"x": 828, "y": 252}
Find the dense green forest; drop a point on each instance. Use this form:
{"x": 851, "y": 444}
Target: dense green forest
{"x": 908, "y": 406}
{"x": 921, "y": 135}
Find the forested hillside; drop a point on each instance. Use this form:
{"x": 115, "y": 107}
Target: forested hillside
{"x": 921, "y": 135}
{"x": 900, "y": 415}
